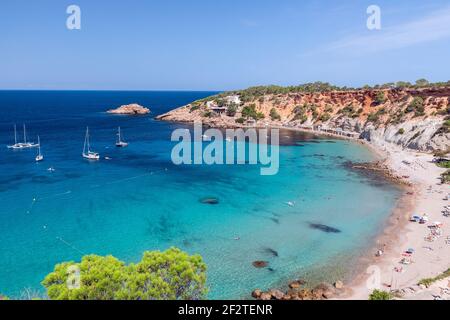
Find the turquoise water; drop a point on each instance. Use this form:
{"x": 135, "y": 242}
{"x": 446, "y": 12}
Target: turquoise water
{"x": 140, "y": 201}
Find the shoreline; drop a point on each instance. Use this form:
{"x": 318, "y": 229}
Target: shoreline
{"x": 430, "y": 258}
{"x": 421, "y": 193}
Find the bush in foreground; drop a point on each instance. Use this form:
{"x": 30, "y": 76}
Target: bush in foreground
{"x": 169, "y": 275}
{"x": 380, "y": 295}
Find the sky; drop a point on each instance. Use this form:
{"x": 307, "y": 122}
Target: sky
{"x": 220, "y": 44}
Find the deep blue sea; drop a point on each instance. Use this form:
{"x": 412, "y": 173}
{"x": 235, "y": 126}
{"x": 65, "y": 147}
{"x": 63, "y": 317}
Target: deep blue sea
{"x": 138, "y": 200}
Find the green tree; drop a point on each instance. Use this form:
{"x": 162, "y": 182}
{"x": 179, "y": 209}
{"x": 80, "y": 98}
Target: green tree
{"x": 168, "y": 275}
{"x": 422, "y": 82}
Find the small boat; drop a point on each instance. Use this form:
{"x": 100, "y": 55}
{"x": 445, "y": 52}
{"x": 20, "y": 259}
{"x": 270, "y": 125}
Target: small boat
{"x": 51, "y": 169}
{"x": 119, "y": 142}
{"x": 39, "y": 156}
{"x": 24, "y": 144}
{"x": 205, "y": 137}
{"x": 87, "y": 153}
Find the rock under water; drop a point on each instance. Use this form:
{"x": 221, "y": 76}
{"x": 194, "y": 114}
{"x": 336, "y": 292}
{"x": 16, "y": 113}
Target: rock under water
{"x": 324, "y": 228}
{"x": 209, "y": 200}
{"x": 260, "y": 264}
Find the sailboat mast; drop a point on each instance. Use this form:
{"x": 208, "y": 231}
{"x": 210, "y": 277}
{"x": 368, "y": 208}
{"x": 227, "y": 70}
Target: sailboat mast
{"x": 15, "y": 134}
{"x": 85, "y": 138}
{"x": 24, "y": 134}
{"x": 39, "y": 146}
{"x": 89, "y": 145}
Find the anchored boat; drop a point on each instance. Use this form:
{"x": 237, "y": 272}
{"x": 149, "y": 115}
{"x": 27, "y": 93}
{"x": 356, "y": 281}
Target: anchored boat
{"x": 39, "y": 156}
{"x": 24, "y": 144}
{"x": 87, "y": 153}
{"x": 119, "y": 142}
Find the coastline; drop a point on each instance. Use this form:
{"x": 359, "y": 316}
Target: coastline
{"x": 422, "y": 193}
{"x": 430, "y": 258}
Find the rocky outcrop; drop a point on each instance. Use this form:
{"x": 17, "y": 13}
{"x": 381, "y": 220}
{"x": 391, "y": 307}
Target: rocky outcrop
{"x": 130, "y": 109}
{"x": 412, "y": 118}
{"x": 296, "y": 291}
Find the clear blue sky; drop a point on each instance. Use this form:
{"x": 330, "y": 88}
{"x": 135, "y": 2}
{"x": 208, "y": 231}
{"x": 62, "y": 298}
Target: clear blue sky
{"x": 220, "y": 45}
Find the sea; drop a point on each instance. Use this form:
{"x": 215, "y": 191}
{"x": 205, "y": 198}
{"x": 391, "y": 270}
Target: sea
{"x": 313, "y": 220}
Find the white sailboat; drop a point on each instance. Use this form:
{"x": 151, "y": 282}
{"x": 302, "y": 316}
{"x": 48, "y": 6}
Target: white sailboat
{"x": 39, "y": 156}
{"x": 119, "y": 142}
{"x": 87, "y": 153}
{"x": 24, "y": 144}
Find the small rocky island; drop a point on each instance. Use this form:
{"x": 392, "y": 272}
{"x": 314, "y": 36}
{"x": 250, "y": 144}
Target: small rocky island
{"x": 130, "y": 109}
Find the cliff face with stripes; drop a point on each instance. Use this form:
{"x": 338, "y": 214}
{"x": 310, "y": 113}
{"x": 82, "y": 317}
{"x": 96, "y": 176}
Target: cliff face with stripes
{"x": 414, "y": 118}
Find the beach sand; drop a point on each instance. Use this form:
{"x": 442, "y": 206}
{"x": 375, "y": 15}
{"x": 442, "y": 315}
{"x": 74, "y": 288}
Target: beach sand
{"x": 430, "y": 258}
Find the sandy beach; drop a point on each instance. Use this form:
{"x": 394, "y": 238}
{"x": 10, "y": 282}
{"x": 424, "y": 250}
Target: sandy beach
{"x": 425, "y": 196}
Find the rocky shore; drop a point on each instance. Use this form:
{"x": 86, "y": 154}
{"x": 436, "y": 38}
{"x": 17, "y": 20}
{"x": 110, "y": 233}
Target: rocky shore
{"x": 130, "y": 109}
{"x": 416, "y": 119}
{"x": 298, "y": 291}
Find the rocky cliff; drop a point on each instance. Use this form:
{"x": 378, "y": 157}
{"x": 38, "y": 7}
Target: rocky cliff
{"x": 416, "y": 118}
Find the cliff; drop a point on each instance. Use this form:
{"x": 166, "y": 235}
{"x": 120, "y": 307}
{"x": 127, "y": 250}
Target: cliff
{"x": 416, "y": 118}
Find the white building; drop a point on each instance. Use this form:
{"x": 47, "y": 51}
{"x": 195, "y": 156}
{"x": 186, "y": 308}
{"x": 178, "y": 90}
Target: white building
{"x": 233, "y": 99}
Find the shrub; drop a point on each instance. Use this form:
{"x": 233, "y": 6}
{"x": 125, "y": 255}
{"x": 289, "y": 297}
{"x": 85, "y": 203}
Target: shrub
{"x": 373, "y": 117}
{"x": 240, "y": 120}
{"x": 231, "y": 110}
{"x": 416, "y": 105}
{"x": 193, "y": 108}
{"x": 207, "y": 114}
{"x": 445, "y": 178}
{"x": 380, "y": 295}
{"x": 380, "y": 98}
{"x": 274, "y": 114}
{"x": 325, "y": 117}
{"x": 401, "y": 131}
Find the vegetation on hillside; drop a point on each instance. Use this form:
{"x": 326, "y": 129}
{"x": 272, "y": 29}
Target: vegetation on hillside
{"x": 169, "y": 275}
{"x": 274, "y": 114}
{"x": 253, "y": 93}
{"x": 250, "y": 112}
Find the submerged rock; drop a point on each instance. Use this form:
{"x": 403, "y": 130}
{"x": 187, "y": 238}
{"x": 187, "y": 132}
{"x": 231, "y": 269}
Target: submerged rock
{"x": 324, "y": 228}
{"x": 209, "y": 200}
{"x": 260, "y": 264}
{"x": 271, "y": 252}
